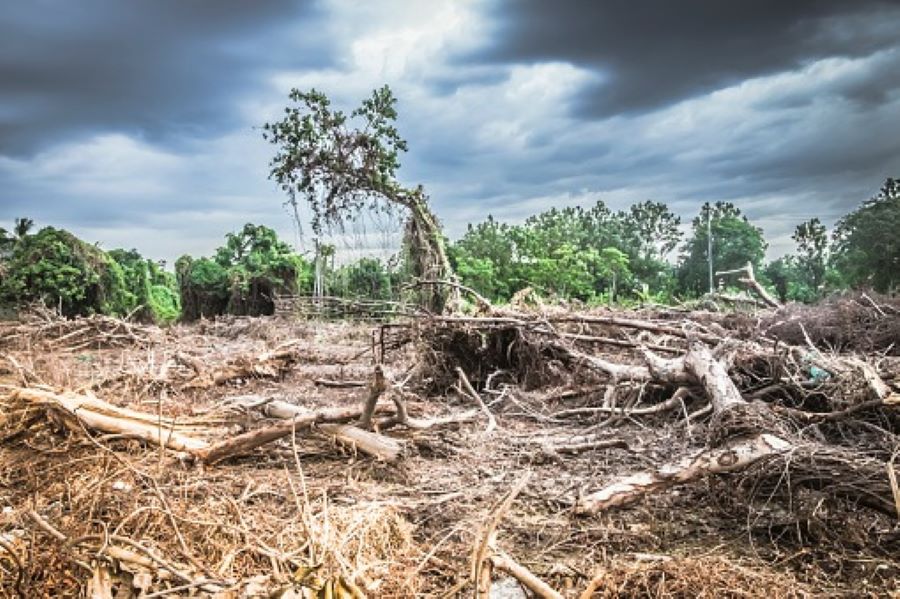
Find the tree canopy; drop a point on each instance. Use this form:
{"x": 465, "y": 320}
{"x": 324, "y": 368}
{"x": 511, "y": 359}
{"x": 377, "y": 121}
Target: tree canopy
{"x": 736, "y": 241}
{"x": 243, "y": 277}
{"x": 59, "y": 270}
{"x": 866, "y": 244}
{"x": 340, "y": 165}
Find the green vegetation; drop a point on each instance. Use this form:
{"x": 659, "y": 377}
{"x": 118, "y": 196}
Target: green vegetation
{"x": 243, "y": 277}
{"x": 866, "y": 243}
{"x": 340, "y": 165}
{"x": 592, "y": 255}
{"x": 365, "y": 278}
{"x": 153, "y": 291}
{"x": 58, "y": 269}
{"x": 598, "y": 255}
{"x": 589, "y": 255}
{"x": 735, "y": 242}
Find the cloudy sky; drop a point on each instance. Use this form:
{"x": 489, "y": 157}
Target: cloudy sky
{"x": 136, "y": 124}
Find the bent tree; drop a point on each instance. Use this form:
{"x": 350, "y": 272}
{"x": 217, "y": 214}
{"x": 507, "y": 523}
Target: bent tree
{"x": 341, "y": 165}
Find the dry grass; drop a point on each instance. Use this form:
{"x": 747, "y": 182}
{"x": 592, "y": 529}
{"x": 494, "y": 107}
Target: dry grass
{"x": 306, "y": 514}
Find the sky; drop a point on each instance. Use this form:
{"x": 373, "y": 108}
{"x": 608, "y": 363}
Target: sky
{"x": 137, "y": 124}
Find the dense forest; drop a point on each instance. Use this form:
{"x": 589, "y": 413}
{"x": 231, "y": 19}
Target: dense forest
{"x": 592, "y": 255}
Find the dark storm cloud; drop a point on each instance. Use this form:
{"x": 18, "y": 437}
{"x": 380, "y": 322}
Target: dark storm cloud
{"x": 131, "y": 121}
{"x": 653, "y": 53}
{"x": 155, "y": 69}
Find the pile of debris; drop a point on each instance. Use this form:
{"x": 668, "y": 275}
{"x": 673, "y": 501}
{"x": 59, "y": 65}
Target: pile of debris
{"x": 283, "y": 470}
{"x": 43, "y": 329}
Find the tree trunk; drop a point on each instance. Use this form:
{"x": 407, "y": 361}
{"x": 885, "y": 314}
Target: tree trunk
{"x": 427, "y": 253}
{"x": 728, "y": 458}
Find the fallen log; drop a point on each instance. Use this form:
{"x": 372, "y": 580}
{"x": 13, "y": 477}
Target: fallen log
{"x": 734, "y": 450}
{"x": 743, "y": 434}
{"x": 97, "y": 415}
{"x": 379, "y": 446}
{"x": 101, "y": 416}
{"x": 728, "y": 458}
{"x": 248, "y": 441}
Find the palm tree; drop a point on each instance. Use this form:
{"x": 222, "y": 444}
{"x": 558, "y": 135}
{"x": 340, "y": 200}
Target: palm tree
{"x": 23, "y": 226}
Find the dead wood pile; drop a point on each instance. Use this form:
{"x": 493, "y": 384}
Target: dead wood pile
{"x": 789, "y": 425}
{"x": 531, "y": 438}
{"x": 861, "y": 322}
{"x": 40, "y": 328}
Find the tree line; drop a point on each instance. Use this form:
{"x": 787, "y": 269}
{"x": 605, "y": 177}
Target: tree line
{"x": 641, "y": 254}
{"x": 592, "y": 255}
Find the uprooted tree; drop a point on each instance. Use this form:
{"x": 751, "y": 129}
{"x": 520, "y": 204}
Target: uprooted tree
{"x": 341, "y": 165}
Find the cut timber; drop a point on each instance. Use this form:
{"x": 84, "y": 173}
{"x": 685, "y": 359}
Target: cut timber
{"x": 750, "y": 281}
{"x": 300, "y": 419}
{"x": 732, "y": 456}
{"x": 379, "y": 446}
{"x": 98, "y": 415}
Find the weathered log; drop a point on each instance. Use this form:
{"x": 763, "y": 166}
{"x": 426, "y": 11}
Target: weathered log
{"x": 733, "y": 453}
{"x": 379, "y": 446}
{"x": 376, "y": 388}
{"x": 736, "y": 455}
{"x": 712, "y": 376}
{"x": 248, "y": 441}
{"x": 101, "y": 416}
{"x": 664, "y": 371}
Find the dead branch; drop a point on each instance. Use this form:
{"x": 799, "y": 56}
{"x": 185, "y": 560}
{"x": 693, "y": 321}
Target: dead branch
{"x": 750, "y": 281}
{"x": 246, "y": 442}
{"x": 485, "y": 539}
{"x": 504, "y": 562}
{"x": 330, "y": 383}
{"x": 730, "y": 457}
{"x": 467, "y": 388}
{"x": 376, "y": 388}
{"x": 270, "y": 364}
{"x": 104, "y": 417}
{"x": 676, "y": 400}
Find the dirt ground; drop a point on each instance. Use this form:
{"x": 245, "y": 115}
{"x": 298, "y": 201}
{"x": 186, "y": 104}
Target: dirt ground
{"x": 296, "y": 515}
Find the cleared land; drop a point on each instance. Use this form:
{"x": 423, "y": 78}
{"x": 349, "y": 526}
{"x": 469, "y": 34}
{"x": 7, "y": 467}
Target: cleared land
{"x": 653, "y": 453}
